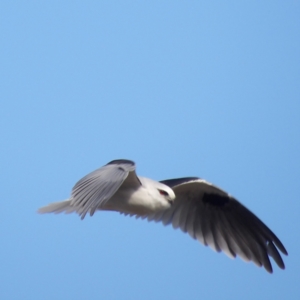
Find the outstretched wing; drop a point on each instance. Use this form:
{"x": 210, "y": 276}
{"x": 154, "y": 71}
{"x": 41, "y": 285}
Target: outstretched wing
{"x": 216, "y": 219}
{"x": 96, "y": 188}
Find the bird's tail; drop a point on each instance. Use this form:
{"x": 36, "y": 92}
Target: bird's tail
{"x": 58, "y": 207}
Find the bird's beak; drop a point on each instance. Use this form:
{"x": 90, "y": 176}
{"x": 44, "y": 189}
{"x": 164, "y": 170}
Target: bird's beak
{"x": 171, "y": 201}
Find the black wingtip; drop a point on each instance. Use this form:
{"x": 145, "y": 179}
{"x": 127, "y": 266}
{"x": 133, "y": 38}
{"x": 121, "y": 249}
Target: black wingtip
{"x": 280, "y": 246}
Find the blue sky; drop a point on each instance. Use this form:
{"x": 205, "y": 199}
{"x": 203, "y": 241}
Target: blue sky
{"x": 183, "y": 88}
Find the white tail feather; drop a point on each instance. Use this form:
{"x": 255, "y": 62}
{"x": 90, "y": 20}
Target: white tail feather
{"x": 58, "y": 207}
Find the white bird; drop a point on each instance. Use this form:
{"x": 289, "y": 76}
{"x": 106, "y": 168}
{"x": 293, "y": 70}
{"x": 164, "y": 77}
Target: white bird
{"x": 197, "y": 207}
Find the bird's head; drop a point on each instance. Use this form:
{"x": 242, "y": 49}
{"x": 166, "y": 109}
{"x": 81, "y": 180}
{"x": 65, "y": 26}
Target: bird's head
{"x": 160, "y": 196}
{"x": 167, "y": 193}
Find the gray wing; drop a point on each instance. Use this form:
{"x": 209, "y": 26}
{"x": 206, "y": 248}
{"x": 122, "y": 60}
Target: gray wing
{"x": 216, "y": 219}
{"x": 96, "y": 188}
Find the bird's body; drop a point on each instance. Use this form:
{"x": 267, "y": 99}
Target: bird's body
{"x": 141, "y": 201}
{"x": 194, "y": 205}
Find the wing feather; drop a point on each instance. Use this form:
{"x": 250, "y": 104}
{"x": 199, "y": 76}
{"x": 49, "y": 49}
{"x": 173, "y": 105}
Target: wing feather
{"x": 94, "y": 190}
{"x": 216, "y": 219}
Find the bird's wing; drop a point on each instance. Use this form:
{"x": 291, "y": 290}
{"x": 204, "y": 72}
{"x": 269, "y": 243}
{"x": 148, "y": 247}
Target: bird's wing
{"x": 216, "y": 219}
{"x": 96, "y": 188}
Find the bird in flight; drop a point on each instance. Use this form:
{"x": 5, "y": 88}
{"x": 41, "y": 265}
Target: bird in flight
{"x": 197, "y": 207}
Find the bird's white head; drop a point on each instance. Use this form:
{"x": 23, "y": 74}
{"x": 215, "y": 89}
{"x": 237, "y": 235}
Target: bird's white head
{"x": 166, "y": 193}
{"x": 162, "y": 196}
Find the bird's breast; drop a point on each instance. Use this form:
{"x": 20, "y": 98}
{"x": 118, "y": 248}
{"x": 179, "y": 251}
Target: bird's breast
{"x": 139, "y": 202}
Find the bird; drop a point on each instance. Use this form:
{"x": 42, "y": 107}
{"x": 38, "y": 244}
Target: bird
{"x": 196, "y": 206}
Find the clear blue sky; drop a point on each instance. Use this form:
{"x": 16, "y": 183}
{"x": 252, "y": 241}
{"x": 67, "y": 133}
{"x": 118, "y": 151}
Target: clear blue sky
{"x": 183, "y": 88}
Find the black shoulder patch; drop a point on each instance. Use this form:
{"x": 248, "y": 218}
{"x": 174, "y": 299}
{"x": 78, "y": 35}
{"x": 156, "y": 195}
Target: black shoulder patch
{"x": 121, "y": 161}
{"x": 215, "y": 200}
{"x": 177, "y": 181}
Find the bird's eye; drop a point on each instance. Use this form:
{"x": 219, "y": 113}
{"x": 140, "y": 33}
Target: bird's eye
{"x": 164, "y": 193}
